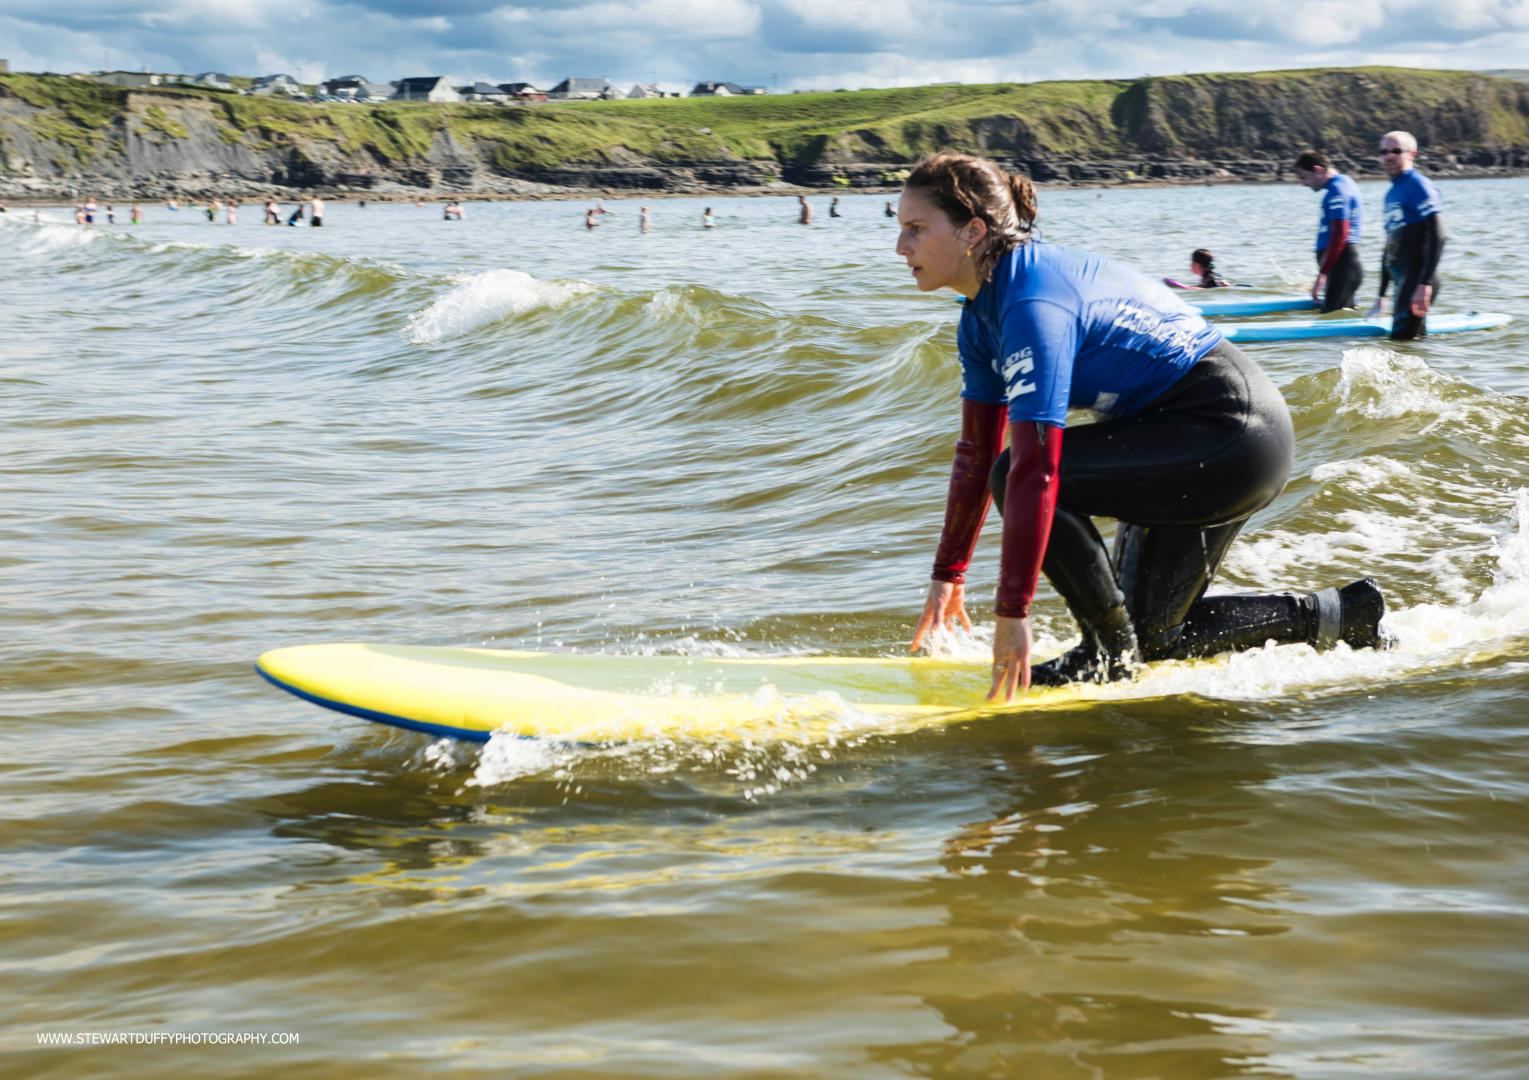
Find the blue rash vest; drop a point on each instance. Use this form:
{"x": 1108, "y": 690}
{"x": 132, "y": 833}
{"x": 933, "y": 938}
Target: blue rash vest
{"x": 1055, "y": 328}
{"x": 1340, "y": 202}
{"x": 1410, "y": 198}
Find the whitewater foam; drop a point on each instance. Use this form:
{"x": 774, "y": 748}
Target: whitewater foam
{"x": 480, "y": 299}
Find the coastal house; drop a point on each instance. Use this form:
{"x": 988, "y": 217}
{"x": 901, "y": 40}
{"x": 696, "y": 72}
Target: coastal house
{"x": 134, "y": 79}
{"x": 214, "y": 80}
{"x": 523, "y": 91}
{"x": 482, "y": 91}
{"x": 377, "y": 91}
{"x": 724, "y": 89}
{"x": 425, "y": 88}
{"x": 647, "y": 90}
{"x": 579, "y": 89}
{"x": 277, "y": 84}
{"x": 352, "y": 87}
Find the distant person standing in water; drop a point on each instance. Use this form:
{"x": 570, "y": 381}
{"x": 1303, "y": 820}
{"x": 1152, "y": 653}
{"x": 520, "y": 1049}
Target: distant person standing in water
{"x": 296, "y": 217}
{"x": 890, "y": 211}
{"x": 1202, "y": 264}
{"x": 1339, "y": 272}
{"x": 111, "y": 214}
{"x": 137, "y": 215}
{"x": 453, "y": 211}
{"x": 805, "y": 216}
{"x": 316, "y": 212}
{"x": 590, "y": 221}
{"x": 833, "y": 207}
{"x": 272, "y": 212}
{"x": 644, "y": 221}
{"x": 232, "y": 215}
{"x": 1414, "y": 238}
{"x": 706, "y": 220}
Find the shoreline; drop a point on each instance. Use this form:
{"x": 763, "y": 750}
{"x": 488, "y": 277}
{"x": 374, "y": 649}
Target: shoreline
{"x": 340, "y": 194}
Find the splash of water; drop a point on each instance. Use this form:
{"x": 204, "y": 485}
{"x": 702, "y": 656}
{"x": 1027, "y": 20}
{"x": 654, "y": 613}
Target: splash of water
{"x": 480, "y": 299}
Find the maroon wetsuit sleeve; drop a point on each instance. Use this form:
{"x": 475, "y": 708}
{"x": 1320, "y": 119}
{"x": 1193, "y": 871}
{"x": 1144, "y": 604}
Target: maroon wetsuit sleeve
{"x": 1029, "y": 502}
{"x": 982, "y": 427}
{"x": 1337, "y": 240}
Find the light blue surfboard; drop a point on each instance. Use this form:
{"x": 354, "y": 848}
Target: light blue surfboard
{"x": 1379, "y": 327}
{"x": 1215, "y": 309}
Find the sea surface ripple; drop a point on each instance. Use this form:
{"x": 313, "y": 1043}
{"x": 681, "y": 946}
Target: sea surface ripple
{"x": 510, "y": 431}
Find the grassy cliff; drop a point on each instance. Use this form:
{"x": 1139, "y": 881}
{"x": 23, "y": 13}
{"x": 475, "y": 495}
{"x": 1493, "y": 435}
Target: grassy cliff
{"x": 51, "y": 125}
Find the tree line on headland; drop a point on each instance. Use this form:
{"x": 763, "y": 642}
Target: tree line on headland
{"x": 62, "y": 137}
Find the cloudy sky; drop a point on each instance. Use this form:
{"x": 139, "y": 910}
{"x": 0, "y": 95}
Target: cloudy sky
{"x": 784, "y": 44}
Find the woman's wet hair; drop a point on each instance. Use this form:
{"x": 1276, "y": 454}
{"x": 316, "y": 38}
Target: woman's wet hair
{"x": 964, "y": 187}
{"x": 1204, "y": 258}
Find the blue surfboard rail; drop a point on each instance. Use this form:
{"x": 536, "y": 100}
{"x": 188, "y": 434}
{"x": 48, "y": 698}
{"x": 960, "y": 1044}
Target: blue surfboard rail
{"x": 1216, "y": 309}
{"x": 1310, "y": 329}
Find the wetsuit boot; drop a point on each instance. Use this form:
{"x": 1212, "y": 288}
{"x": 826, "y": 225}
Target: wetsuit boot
{"x": 1104, "y": 655}
{"x": 1078, "y": 567}
{"x": 1321, "y": 619}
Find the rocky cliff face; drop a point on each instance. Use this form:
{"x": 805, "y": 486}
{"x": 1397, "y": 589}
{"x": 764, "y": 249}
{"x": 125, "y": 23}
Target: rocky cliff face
{"x": 64, "y": 138}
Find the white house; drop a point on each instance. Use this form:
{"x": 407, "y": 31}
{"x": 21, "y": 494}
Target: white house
{"x": 216, "y": 80}
{"x": 579, "y": 89}
{"x": 128, "y": 78}
{"x": 352, "y": 87}
{"x": 645, "y": 90}
{"x": 482, "y": 91}
{"x": 277, "y": 84}
{"x": 724, "y": 89}
{"x": 425, "y": 88}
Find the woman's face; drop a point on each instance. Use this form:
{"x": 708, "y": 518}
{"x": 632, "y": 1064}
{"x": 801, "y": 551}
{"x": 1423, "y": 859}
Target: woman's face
{"x": 930, "y": 243}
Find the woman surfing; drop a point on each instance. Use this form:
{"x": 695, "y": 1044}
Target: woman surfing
{"x": 1192, "y": 440}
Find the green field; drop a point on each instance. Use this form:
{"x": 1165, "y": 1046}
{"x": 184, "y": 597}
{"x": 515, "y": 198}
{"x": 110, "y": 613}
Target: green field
{"x": 1178, "y": 116}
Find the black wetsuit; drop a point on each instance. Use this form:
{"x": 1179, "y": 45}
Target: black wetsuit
{"x": 1343, "y": 280}
{"x": 1412, "y": 259}
{"x": 1182, "y": 477}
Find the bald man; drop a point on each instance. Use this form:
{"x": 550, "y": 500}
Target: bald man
{"x": 1414, "y": 238}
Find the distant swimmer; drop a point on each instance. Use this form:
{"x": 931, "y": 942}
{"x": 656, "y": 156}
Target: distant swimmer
{"x": 1414, "y": 238}
{"x": 644, "y": 222}
{"x": 212, "y": 210}
{"x": 232, "y": 214}
{"x": 453, "y": 211}
{"x": 833, "y": 207}
{"x": 316, "y": 212}
{"x": 805, "y": 216}
{"x": 1193, "y": 438}
{"x": 706, "y": 220}
{"x": 600, "y": 207}
{"x": 296, "y": 217}
{"x": 590, "y": 220}
{"x": 272, "y": 212}
{"x": 111, "y": 214}
{"x": 1339, "y": 272}
{"x": 890, "y": 210}
{"x": 90, "y": 211}
{"x": 137, "y": 214}
{"x": 79, "y": 215}
{"x": 172, "y": 204}
{"x": 1202, "y": 264}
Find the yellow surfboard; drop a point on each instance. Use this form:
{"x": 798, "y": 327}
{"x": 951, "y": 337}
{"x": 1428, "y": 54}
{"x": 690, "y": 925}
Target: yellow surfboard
{"x": 590, "y": 697}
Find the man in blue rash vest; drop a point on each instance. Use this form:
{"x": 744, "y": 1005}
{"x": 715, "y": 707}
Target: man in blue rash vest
{"x": 1414, "y": 238}
{"x": 1339, "y": 273}
{"x": 1193, "y": 439}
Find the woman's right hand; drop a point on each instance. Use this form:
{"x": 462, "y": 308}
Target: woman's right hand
{"x": 945, "y": 603}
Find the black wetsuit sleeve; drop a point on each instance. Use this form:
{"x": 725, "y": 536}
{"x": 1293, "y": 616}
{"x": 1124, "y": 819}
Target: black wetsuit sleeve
{"x": 1431, "y": 246}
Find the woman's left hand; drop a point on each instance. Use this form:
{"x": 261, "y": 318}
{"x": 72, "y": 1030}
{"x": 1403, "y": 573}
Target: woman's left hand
{"x": 1011, "y": 658}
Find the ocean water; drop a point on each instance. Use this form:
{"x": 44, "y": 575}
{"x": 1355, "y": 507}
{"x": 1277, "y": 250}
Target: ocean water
{"x": 511, "y": 431}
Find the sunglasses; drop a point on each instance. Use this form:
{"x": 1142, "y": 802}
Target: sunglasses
{"x": 1385, "y": 150}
